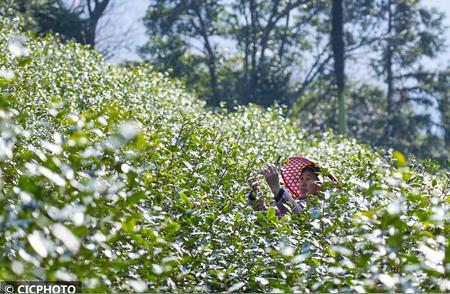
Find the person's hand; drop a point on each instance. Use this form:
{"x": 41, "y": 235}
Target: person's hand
{"x": 253, "y": 181}
{"x": 270, "y": 173}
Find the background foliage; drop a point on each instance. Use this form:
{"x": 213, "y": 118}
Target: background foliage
{"x": 266, "y": 51}
{"x": 117, "y": 177}
{"x": 272, "y": 52}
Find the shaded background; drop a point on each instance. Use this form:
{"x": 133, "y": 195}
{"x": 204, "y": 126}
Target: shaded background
{"x": 374, "y": 70}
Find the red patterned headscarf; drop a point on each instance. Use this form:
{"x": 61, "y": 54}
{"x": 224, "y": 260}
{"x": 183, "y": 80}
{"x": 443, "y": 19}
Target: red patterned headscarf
{"x": 292, "y": 171}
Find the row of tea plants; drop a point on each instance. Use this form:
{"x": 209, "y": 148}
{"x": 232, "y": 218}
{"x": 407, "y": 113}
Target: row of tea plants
{"x": 117, "y": 177}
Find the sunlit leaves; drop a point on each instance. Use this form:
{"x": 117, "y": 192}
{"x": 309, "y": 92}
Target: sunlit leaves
{"x": 118, "y": 178}
{"x": 37, "y": 241}
{"x": 401, "y": 161}
{"x": 6, "y": 77}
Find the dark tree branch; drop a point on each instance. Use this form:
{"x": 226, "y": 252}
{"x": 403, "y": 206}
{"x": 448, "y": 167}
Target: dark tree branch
{"x": 316, "y": 68}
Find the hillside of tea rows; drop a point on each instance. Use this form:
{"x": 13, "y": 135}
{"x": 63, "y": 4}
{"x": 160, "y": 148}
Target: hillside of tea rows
{"x": 117, "y": 177}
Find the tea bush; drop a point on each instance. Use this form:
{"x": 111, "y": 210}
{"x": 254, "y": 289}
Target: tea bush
{"x": 119, "y": 178}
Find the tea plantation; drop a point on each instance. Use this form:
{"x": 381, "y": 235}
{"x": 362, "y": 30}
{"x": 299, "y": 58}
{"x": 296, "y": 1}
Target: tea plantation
{"x": 119, "y": 178}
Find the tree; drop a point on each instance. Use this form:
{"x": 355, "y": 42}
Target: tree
{"x": 338, "y": 44}
{"x": 266, "y": 33}
{"x": 413, "y": 32}
{"x": 390, "y": 40}
{"x": 183, "y": 31}
{"x": 263, "y": 51}
{"x": 96, "y": 9}
{"x": 52, "y": 16}
{"x": 267, "y": 38}
{"x": 77, "y": 22}
{"x": 444, "y": 103}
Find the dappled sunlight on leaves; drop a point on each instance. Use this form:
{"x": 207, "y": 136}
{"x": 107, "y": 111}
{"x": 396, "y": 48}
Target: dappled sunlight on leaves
{"x": 116, "y": 177}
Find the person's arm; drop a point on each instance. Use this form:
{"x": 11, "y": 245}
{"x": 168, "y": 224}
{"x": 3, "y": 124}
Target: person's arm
{"x": 255, "y": 197}
{"x": 286, "y": 203}
{"x": 256, "y": 201}
{"x": 283, "y": 199}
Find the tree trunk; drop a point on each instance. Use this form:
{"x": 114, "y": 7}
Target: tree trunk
{"x": 203, "y": 30}
{"x": 254, "y": 48}
{"x": 211, "y": 66}
{"x": 389, "y": 79}
{"x": 246, "y": 66}
{"x": 212, "y": 73}
{"x": 95, "y": 13}
{"x": 389, "y": 76}
{"x": 284, "y": 37}
{"x": 338, "y": 44}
